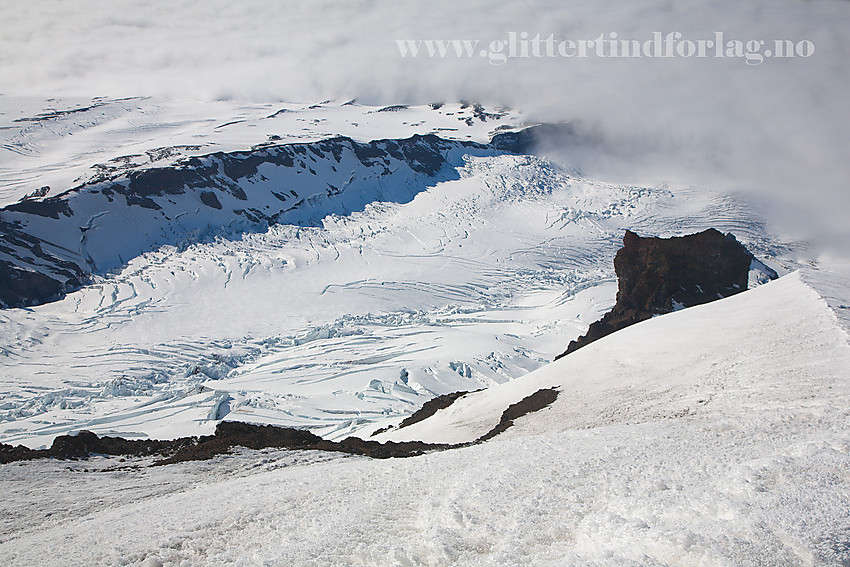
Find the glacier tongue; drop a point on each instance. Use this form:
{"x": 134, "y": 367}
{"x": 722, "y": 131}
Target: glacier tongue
{"x": 716, "y": 435}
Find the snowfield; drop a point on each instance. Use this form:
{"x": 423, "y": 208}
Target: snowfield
{"x": 716, "y": 435}
{"x": 701, "y": 361}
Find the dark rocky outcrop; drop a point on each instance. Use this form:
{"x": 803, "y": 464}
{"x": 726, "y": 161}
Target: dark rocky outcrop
{"x": 52, "y": 207}
{"x": 529, "y": 404}
{"x": 86, "y": 443}
{"x": 230, "y": 434}
{"x": 428, "y": 409}
{"x": 535, "y": 139}
{"x": 20, "y": 287}
{"x": 209, "y": 199}
{"x": 42, "y": 277}
{"x": 660, "y": 275}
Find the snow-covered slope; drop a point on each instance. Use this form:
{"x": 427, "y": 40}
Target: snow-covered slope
{"x": 716, "y": 435}
{"x": 736, "y": 358}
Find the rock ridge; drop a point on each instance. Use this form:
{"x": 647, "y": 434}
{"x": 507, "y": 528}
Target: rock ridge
{"x": 661, "y": 275}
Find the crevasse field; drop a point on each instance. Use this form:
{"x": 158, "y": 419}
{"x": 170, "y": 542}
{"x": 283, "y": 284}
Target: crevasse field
{"x": 714, "y": 435}
{"x": 447, "y": 285}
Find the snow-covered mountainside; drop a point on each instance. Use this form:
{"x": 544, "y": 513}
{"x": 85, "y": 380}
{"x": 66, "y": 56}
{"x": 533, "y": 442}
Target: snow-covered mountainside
{"x": 51, "y": 146}
{"x": 393, "y": 271}
{"x": 713, "y": 435}
{"x": 134, "y": 204}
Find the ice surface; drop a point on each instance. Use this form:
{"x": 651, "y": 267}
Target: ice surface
{"x": 711, "y": 436}
{"x": 704, "y": 354}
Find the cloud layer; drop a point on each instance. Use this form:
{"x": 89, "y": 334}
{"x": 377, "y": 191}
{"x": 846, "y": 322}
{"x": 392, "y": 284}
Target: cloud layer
{"x": 777, "y": 130}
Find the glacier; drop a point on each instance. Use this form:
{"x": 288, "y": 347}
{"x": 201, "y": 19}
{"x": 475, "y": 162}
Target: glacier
{"x": 337, "y": 285}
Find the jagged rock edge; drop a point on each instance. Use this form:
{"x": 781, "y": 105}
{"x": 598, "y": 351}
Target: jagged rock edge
{"x": 229, "y": 434}
{"x": 627, "y": 311}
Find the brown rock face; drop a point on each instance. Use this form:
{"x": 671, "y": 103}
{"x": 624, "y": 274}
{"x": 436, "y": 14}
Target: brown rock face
{"x": 659, "y": 275}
